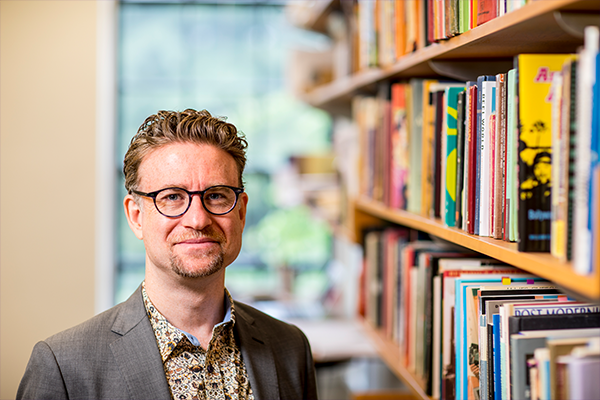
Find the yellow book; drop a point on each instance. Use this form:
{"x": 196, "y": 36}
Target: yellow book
{"x": 535, "y": 72}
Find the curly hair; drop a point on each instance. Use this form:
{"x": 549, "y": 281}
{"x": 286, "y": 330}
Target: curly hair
{"x": 189, "y": 126}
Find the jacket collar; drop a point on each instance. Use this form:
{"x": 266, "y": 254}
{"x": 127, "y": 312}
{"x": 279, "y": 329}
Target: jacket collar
{"x": 257, "y": 355}
{"x": 136, "y": 351}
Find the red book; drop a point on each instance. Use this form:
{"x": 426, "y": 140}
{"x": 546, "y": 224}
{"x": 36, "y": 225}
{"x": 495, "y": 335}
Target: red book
{"x": 486, "y": 11}
{"x": 472, "y": 143}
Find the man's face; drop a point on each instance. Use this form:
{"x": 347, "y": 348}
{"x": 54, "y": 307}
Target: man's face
{"x": 196, "y": 244}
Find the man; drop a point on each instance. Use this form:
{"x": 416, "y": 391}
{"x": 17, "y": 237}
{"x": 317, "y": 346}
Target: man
{"x": 180, "y": 335}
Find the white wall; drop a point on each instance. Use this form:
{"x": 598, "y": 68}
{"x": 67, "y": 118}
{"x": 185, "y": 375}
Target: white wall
{"x": 47, "y": 166}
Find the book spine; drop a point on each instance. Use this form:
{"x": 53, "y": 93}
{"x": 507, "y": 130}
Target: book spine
{"x": 511, "y": 156}
{"x": 480, "y": 81}
{"x": 473, "y": 158}
{"x": 460, "y": 153}
{"x": 583, "y": 239}
{"x": 500, "y": 171}
{"x": 572, "y": 157}
{"x": 487, "y": 97}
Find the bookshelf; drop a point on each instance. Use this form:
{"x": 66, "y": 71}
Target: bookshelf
{"x": 538, "y": 27}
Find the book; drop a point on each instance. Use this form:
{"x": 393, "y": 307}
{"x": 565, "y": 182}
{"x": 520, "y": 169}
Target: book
{"x": 463, "y": 16}
{"x": 512, "y": 145}
{"x": 535, "y": 147}
{"x": 452, "y": 18}
{"x": 490, "y": 300}
{"x": 367, "y": 36}
{"x": 538, "y": 307}
{"x": 582, "y": 261}
{"x": 400, "y": 154}
{"x": 558, "y": 347}
{"x": 466, "y": 330}
{"x": 438, "y": 104}
{"x": 428, "y": 149}
{"x": 415, "y": 144}
{"x": 486, "y": 11}
{"x": 594, "y": 224}
{"x": 499, "y": 177}
{"x": 583, "y": 369}
{"x": 429, "y": 267}
{"x": 471, "y": 159}
{"x": 560, "y": 163}
{"x": 450, "y": 270}
{"x": 460, "y": 161}
{"x": 451, "y": 96}
{"x": 571, "y": 117}
{"x": 485, "y": 88}
{"x": 523, "y": 344}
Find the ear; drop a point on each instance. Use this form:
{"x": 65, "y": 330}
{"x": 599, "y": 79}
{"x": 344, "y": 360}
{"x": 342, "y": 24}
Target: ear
{"x": 134, "y": 215}
{"x": 243, "y": 200}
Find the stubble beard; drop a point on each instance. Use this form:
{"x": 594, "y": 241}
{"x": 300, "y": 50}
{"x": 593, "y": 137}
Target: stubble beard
{"x": 212, "y": 263}
{"x": 215, "y": 264}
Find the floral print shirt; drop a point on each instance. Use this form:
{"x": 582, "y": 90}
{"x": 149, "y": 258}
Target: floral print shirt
{"x": 193, "y": 372}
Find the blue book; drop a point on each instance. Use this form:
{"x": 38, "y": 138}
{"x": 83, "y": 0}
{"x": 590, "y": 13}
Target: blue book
{"x": 496, "y": 356}
{"x": 594, "y": 197}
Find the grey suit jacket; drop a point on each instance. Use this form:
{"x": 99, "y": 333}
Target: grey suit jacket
{"x": 115, "y": 356}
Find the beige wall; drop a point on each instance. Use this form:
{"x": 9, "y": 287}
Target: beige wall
{"x": 47, "y": 127}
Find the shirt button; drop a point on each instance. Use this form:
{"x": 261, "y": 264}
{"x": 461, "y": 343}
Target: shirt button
{"x": 210, "y": 369}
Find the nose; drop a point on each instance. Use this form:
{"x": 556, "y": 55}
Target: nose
{"x": 196, "y": 216}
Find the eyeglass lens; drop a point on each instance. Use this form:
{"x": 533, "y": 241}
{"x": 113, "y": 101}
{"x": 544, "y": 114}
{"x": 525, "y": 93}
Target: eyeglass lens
{"x": 217, "y": 200}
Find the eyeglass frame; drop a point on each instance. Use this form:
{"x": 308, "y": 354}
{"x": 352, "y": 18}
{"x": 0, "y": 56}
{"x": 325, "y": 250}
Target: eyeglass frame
{"x": 154, "y": 194}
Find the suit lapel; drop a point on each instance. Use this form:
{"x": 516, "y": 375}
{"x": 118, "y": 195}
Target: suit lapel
{"x": 136, "y": 352}
{"x": 257, "y": 356}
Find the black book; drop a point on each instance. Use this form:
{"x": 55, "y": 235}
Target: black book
{"x": 555, "y": 321}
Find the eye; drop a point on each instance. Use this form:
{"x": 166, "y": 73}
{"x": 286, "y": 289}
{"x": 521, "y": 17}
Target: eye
{"x": 171, "y": 196}
{"x": 214, "y": 196}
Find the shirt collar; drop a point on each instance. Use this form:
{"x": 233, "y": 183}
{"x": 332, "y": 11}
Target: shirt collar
{"x": 169, "y": 336}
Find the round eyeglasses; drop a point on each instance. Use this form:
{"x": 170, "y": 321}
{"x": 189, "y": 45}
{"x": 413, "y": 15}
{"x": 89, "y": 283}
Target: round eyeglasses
{"x": 174, "y": 202}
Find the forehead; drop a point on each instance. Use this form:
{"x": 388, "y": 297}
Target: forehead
{"x": 188, "y": 165}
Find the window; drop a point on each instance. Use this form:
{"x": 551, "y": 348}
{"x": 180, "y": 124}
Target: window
{"x": 230, "y": 59}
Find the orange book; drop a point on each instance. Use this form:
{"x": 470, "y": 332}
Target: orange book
{"x": 400, "y": 24}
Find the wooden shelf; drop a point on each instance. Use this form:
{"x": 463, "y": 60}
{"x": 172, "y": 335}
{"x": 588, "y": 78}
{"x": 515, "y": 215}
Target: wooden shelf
{"x": 390, "y": 354}
{"x": 539, "y": 27}
{"x": 541, "y": 264}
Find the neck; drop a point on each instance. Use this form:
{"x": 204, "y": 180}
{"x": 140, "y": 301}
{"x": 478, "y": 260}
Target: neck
{"x": 194, "y": 305}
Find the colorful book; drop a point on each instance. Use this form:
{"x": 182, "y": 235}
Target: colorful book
{"x": 451, "y": 96}
{"x": 428, "y": 149}
{"x": 467, "y": 332}
{"x": 512, "y": 145}
{"x": 535, "y": 147}
{"x": 499, "y": 194}
{"x": 400, "y": 150}
{"x": 523, "y": 345}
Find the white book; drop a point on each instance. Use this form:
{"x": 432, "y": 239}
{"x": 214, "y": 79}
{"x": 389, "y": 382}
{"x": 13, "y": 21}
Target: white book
{"x": 585, "y": 82}
{"x": 484, "y": 183}
{"x": 436, "y": 369}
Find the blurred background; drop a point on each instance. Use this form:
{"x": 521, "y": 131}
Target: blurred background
{"x": 77, "y": 80}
